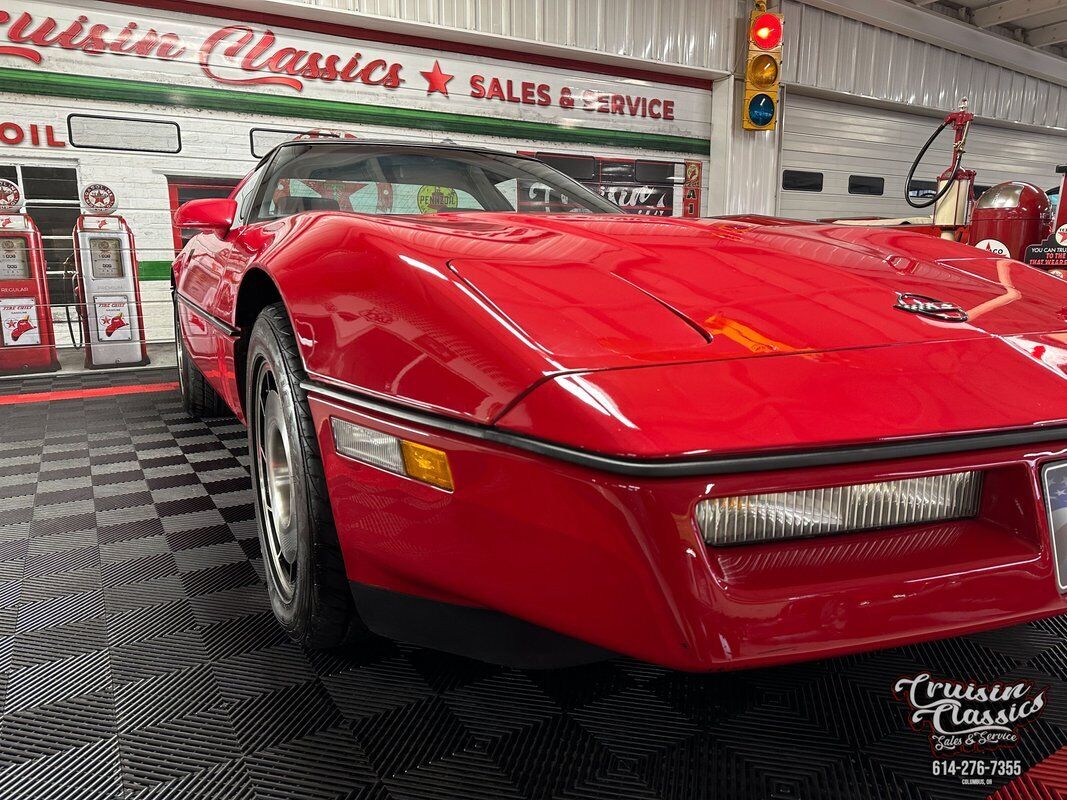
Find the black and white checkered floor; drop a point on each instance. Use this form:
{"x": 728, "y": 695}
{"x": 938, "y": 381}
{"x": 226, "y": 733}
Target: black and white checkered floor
{"x": 139, "y": 659}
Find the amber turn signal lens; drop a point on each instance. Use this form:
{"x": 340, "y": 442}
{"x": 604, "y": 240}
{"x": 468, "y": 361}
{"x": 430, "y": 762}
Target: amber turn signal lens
{"x": 426, "y": 464}
{"x": 763, "y": 71}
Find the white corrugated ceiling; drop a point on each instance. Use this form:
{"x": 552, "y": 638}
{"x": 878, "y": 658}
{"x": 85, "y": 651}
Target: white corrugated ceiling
{"x": 1038, "y": 23}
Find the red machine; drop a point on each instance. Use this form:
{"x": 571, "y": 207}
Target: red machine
{"x": 109, "y": 298}
{"x": 1009, "y": 217}
{"x": 27, "y": 343}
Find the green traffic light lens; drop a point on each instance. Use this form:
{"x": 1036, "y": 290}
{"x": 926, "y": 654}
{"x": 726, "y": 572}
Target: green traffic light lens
{"x": 761, "y": 110}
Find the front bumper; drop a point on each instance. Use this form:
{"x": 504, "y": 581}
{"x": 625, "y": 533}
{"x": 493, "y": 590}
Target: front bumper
{"x": 617, "y": 561}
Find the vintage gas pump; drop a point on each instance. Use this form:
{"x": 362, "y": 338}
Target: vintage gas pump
{"x": 1008, "y": 217}
{"x": 27, "y": 340}
{"x": 106, "y": 284}
{"x": 955, "y": 185}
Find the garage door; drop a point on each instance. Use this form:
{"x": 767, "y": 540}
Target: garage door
{"x": 841, "y": 159}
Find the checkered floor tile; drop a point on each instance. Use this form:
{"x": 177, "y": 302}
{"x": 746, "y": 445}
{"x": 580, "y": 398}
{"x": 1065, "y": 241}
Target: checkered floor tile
{"x": 139, "y": 660}
{"x": 87, "y": 379}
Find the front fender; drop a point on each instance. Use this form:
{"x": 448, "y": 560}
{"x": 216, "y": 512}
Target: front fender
{"x": 393, "y": 322}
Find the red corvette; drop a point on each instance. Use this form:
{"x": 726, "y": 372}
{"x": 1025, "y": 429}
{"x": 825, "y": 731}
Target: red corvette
{"x": 490, "y": 414}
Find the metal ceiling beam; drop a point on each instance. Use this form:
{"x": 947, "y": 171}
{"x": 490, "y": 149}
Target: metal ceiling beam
{"x": 917, "y": 23}
{"x": 1011, "y": 10}
{"x": 1050, "y": 34}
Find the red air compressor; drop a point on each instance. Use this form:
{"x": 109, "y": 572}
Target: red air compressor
{"x": 27, "y": 340}
{"x": 109, "y": 297}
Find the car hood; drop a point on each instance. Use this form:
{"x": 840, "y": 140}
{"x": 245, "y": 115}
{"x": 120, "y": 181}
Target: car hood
{"x": 708, "y": 337}
{"x": 597, "y": 292}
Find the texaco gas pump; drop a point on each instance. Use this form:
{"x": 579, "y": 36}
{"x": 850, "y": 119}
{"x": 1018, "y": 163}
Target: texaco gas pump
{"x": 109, "y": 298}
{"x": 27, "y": 341}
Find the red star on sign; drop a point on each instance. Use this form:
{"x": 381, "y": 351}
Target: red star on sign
{"x": 437, "y": 79}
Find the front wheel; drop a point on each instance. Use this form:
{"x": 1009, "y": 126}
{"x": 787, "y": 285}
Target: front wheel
{"x": 305, "y": 573}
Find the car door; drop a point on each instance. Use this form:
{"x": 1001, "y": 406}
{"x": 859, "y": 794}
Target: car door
{"x": 207, "y": 274}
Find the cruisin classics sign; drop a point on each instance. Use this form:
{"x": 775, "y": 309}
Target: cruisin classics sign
{"x": 116, "y": 41}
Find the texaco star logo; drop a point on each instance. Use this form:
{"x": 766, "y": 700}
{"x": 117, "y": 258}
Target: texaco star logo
{"x": 1061, "y": 235}
{"x": 98, "y": 198}
{"x": 10, "y": 196}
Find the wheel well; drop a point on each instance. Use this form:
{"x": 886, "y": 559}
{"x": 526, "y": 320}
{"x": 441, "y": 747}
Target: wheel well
{"x": 256, "y": 293}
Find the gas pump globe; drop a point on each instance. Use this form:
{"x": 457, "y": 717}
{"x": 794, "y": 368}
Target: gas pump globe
{"x": 109, "y": 298}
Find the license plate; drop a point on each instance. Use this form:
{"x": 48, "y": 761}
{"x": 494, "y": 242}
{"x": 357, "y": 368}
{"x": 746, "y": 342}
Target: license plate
{"x": 1054, "y": 479}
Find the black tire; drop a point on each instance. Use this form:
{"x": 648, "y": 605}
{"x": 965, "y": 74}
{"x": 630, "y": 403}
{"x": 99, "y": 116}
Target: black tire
{"x": 198, "y": 396}
{"x": 305, "y": 573}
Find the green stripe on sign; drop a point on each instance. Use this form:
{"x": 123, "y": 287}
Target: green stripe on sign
{"x": 153, "y": 270}
{"x": 91, "y": 87}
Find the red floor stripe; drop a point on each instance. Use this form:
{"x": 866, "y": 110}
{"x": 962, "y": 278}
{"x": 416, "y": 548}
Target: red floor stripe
{"x": 80, "y": 394}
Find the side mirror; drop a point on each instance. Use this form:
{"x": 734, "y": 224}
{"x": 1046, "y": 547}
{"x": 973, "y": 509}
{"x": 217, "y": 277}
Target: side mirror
{"x": 210, "y": 214}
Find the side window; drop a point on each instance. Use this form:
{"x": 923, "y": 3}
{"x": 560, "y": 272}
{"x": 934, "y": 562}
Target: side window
{"x": 797, "y": 181}
{"x": 267, "y": 188}
{"x": 243, "y": 198}
{"x": 866, "y": 184}
{"x": 921, "y": 190}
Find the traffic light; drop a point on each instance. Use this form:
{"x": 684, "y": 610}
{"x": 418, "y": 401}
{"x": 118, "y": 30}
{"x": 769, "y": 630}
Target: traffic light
{"x": 762, "y": 71}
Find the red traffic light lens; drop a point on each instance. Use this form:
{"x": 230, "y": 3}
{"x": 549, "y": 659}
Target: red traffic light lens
{"x": 766, "y": 32}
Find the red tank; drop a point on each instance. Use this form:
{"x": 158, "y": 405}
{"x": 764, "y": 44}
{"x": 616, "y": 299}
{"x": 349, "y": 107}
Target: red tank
{"x": 1010, "y": 216}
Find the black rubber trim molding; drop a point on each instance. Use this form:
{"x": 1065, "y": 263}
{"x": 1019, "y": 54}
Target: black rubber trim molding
{"x": 473, "y": 632}
{"x": 222, "y": 325}
{"x": 717, "y": 465}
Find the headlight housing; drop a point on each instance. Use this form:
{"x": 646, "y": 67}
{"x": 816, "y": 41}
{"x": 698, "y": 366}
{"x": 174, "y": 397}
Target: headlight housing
{"x": 412, "y": 459}
{"x": 756, "y": 518}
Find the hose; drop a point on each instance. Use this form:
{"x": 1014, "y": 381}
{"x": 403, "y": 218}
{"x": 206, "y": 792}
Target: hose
{"x": 915, "y": 165}
{"x": 66, "y": 308}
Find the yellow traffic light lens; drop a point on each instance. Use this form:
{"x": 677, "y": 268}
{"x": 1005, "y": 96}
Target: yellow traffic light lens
{"x": 763, "y": 71}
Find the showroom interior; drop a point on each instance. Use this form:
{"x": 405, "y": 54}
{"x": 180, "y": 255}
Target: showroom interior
{"x": 645, "y": 399}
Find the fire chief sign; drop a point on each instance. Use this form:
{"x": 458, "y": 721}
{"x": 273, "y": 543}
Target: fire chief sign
{"x": 18, "y": 319}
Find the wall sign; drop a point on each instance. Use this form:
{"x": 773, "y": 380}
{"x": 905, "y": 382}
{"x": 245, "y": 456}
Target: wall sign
{"x": 691, "y": 189}
{"x": 101, "y": 42}
{"x": 16, "y": 133}
{"x": 1050, "y": 254}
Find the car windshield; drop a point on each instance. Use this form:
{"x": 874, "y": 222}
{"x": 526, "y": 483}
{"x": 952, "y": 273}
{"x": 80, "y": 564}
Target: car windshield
{"x": 373, "y": 179}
